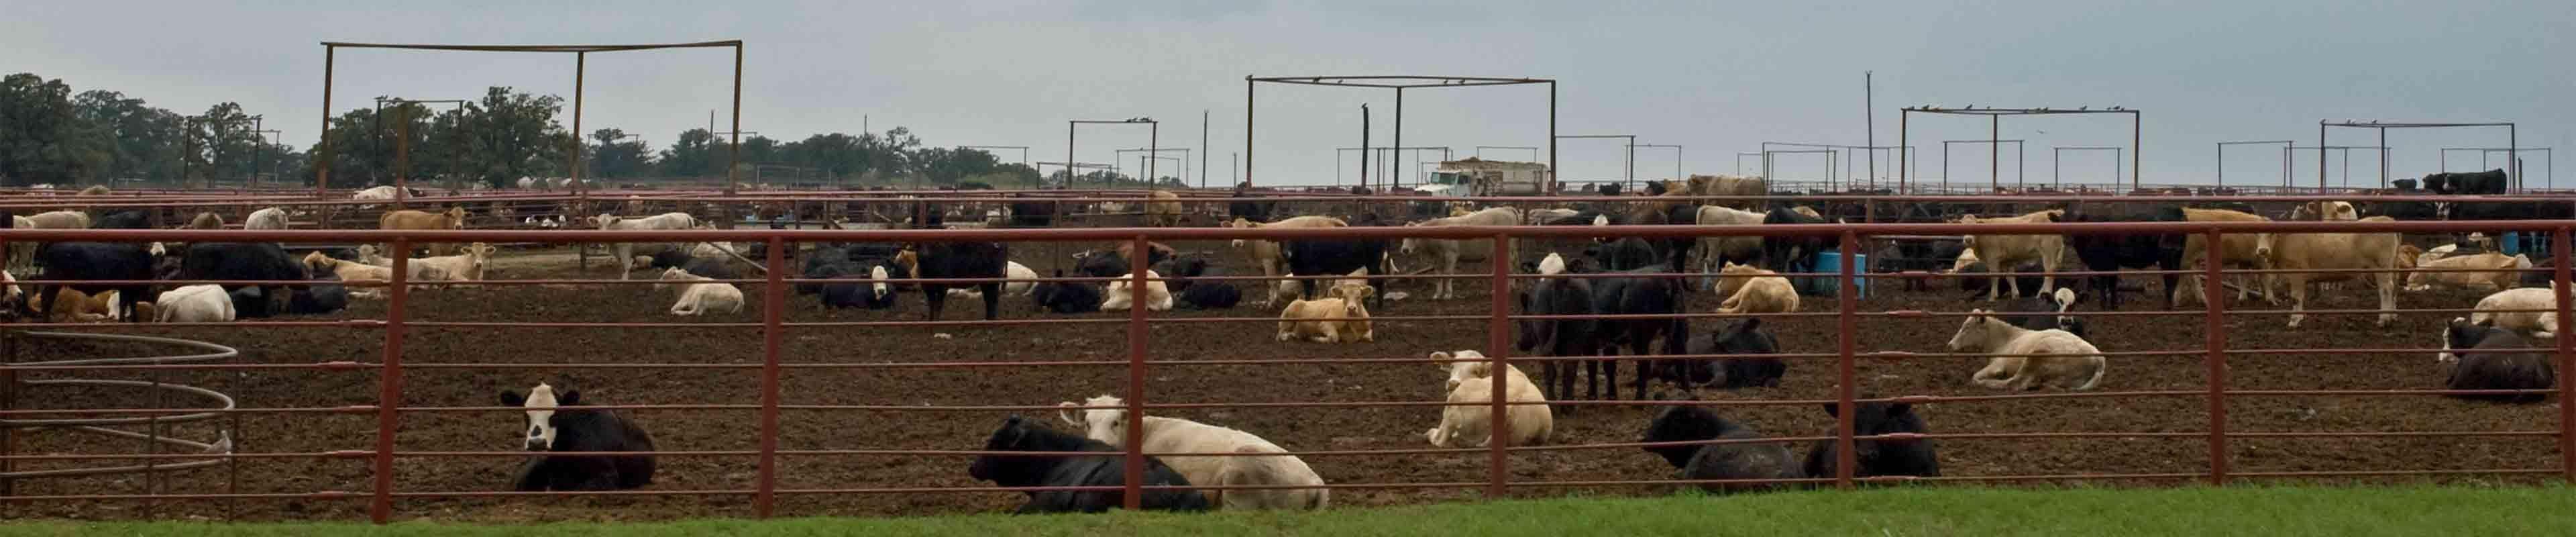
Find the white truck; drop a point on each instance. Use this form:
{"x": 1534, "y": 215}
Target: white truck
{"x": 1478, "y": 178}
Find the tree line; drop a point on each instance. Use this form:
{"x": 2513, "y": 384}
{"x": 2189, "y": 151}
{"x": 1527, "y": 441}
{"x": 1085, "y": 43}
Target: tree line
{"x": 50, "y": 135}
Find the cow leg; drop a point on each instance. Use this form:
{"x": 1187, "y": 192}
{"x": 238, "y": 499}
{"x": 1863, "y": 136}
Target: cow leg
{"x": 992, "y": 300}
{"x": 2388, "y": 298}
{"x": 1610, "y": 373}
{"x": 935, "y": 296}
{"x": 2047, "y": 267}
{"x": 2298, "y": 300}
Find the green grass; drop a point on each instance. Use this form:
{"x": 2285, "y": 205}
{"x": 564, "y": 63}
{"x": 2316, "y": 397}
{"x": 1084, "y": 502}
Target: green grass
{"x": 2267, "y": 511}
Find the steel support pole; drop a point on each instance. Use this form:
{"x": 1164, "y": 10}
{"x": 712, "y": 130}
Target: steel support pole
{"x": 1550, "y": 186}
{"x": 389, "y": 384}
{"x": 321, "y": 166}
{"x": 580, "y": 72}
{"x": 1903, "y": 147}
{"x": 1398, "y": 149}
{"x": 2137, "y": 151}
{"x": 1247, "y": 133}
{"x": 773, "y": 335}
{"x": 1994, "y": 153}
{"x": 733, "y": 153}
{"x": 1068, "y": 155}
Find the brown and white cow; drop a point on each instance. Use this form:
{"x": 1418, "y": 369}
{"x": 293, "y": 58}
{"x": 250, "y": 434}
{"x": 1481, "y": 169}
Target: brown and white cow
{"x": 2376, "y": 252}
{"x": 452, "y": 218}
{"x": 2002, "y": 252}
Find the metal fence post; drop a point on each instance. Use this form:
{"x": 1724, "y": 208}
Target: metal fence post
{"x": 773, "y": 331}
{"x": 1136, "y": 266}
{"x": 2214, "y": 319}
{"x": 2558, "y": 244}
{"x": 389, "y": 383}
{"x": 1498, "y": 328}
{"x": 1845, "y": 456}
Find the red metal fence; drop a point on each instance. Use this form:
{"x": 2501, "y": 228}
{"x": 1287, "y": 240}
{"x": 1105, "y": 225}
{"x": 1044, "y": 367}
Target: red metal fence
{"x": 389, "y": 405}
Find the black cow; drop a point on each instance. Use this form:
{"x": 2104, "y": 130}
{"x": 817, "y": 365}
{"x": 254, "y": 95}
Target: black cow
{"x": 2112, "y": 252}
{"x": 1788, "y": 254}
{"x": 1067, "y": 297}
{"x": 568, "y": 428}
{"x": 1976, "y": 285}
{"x": 1625, "y": 253}
{"x": 2490, "y": 182}
{"x": 1559, "y": 337}
{"x": 1180, "y": 270}
{"x": 1917, "y": 257}
{"x": 1256, "y": 211}
{"x": 960, "y": 260}
{"x": 1640, "y": 294}
{"x": 1912, "y": 457}
{"x": 2041, "y": 312}
{"x": 2480, "y": 368}
{"x": 316, "y": 298}
{"x": 1213, "y": 296}
{"x": 75, "y": 261}
{"x": 710, "y": 267}
{"x": 1742, "y": 337}
{"x": 123, "y": 220}
{"x": 1718, "y": 461}
{"x": 1033, "y": 213}
{"x": 2543, "y": 278}
{"x": 1112, "y": 262}
{"x": 251, "y": 302}
{"x": 245, "y": 261}
{"x": 859, "y": 288}
{"x": 1336, "y": 258}
{"x": 1108, "y": 469}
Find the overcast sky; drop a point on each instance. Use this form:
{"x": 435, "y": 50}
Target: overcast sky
{"x": 1717, "y": 78}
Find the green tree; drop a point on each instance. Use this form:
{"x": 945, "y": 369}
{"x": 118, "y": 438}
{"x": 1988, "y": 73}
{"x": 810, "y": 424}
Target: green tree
{"x": 39, "y": 133}
{"x": 612, "y": 156}
{"x": 694, "y": 155}
{"x": 141, "y": 142}
{"x": 518, "y": 137}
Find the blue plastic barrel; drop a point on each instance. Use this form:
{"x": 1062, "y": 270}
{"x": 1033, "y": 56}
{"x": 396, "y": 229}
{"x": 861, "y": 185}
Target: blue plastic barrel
{"x": 1832, "y": 261}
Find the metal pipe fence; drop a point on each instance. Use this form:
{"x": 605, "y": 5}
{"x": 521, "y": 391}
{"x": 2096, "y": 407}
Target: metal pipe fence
{"x": 389, "y": 404}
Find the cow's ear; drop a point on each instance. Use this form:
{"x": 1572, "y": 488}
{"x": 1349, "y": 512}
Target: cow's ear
{"x": 1064, "y": 411}
{"x": 1899, "y": 409}
{"x": 512, "y": 398}
{"x": 569, "y": 398}
{"x": 1440, "y": 359}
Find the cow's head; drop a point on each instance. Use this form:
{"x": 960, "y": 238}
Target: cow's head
{"x": 603, "y": 220}
{"x": 1462, "y": 366}
{"x": 455, "y": 217}
{"x": 2461, "y": 334}
{"x": 1977, "y": 331}
{"x": 540, "y": 403}
{"x": 1108, "y": 425}
{"x": 878, "y": 287}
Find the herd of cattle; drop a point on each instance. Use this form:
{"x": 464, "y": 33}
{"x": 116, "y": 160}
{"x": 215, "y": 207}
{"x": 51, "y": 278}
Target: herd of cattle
{"x": 1324, "y": 289}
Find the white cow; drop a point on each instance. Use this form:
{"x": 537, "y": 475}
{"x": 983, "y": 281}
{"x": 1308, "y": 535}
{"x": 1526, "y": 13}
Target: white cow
{"x": 2003, "y": 252}
{"x": 267, "y": 218}
{"x": 203, "y": 303}
{"x": 1119, "y": 297}
{"x": 1467, "y": 421}
{"x": 1444, "y": 254}
{"x": 625, "y": 251}
{"x": 467, "y": 266}
{"x": 700, "y": 298}
{"x": 2072, "y": 364}
{"x": 1015, "y": 271}
{"x": 1175, "y": 435}
{"x": 1715, "y": 250}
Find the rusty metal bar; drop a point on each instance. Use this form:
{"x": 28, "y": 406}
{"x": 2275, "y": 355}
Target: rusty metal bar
{"x": 1136, "y": 350}
{"x": 1498, "y": 330}
{"x": 321, "y": 172}
{"x": 1846, "y": 367}
{"x": 2214, "y": 323}
{"x": 580, "y": 73}
{"x": 2558, "y": 242}
{"x": 389, "y": 387}
{"x": 773, "y": 298}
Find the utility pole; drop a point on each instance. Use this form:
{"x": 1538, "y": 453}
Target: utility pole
{"x": 1869, "y": 123}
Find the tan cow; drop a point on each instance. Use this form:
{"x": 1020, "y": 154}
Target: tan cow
{"x": 205, "y": 221}
{"x": 1750, "y": 289}
{"x": 2502, "y": 277}
{"x": 2238, "y": 250}
{"x": 1266, "y": 254}
{"x": 2003, "y": 252}
{"x": 72, "y": 306}
{"x": 1444, "y": 254}
{"x": 467, "y": 266}
{"x": 1467, "y": 421}
{"x": 59, "y": 220}
{"x": 1341, "y": 316}
{"x": 2310, "y": 251}
{"x": 452, "y": 218}
{"x": 1713, "y": 251}
{"x": 1163, "y": 209}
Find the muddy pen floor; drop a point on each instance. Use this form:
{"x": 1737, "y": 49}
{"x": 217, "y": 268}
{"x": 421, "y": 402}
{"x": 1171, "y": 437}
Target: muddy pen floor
{"x": 430, "y": 378}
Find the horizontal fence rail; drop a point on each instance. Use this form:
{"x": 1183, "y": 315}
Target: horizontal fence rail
{"x": 1139, "y": 363}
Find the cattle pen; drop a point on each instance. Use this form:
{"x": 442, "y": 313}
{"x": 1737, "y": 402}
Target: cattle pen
{"x": 383, "y": 411}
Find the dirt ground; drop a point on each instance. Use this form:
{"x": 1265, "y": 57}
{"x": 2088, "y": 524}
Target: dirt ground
{"x": 426, "y": 383}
